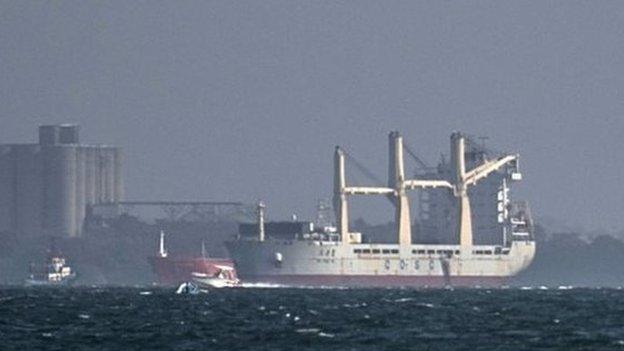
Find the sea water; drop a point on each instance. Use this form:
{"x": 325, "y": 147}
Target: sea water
{"x": 272, "y": 318}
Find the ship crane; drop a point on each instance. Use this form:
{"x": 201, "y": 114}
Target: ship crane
{"x": 398, "y": 185}
{"x": 464, "y": 179}
{"x": 341, "y": 191}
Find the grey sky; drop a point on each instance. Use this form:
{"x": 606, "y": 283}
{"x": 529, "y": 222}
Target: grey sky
{"x": 245, "y": 100}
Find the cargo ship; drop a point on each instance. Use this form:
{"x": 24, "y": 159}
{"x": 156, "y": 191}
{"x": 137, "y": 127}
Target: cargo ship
{"x": 175, "y": 270}
{"x": 338, "y": 256}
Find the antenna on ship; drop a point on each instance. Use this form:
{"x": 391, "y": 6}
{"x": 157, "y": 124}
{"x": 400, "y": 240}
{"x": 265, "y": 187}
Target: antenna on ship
{"x": 323, "y": 214}
{"x": 162, "y": 252}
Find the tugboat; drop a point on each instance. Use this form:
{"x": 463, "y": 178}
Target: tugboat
{"x": 55, "y": 272}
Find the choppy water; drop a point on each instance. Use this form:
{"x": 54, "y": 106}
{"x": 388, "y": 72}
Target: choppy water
{"x": 352, "y": 319}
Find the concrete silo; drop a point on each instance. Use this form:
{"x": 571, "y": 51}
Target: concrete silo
{"x": 91, "y": 178}
{"x": 80, "y": 190}
{"x": 45, "y": 188}
{"x": 60, "y": 190}
{"x": 119, "y": 184}
{"x": 7, "y": 189}
{"x": 107, "y": 169}
{"x": 29, "y": 185}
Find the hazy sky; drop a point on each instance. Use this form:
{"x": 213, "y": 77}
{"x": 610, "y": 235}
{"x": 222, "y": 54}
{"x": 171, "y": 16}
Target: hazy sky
{"x": 246, "y": 100}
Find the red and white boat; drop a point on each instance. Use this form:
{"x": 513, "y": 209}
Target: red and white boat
{"x": 224, "y": 278}
{"x": 174, "y": 270}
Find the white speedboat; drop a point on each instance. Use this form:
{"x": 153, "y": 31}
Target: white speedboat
{"x": 188, "y": 288}
{"x": 224, "y": 277}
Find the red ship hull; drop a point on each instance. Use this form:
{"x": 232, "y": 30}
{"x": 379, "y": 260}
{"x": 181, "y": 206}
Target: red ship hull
{"x": 378, "y": 280}
{"x": 176, "y": 270}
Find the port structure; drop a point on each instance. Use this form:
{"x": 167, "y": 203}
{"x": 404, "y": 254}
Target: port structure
{"x": 398, "y": 186}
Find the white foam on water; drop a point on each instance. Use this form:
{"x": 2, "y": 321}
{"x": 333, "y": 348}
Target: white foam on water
{"x": 263, "y": 285}
{"x": 404, "y": 299}
{"x": 356, "y": 305}
{"x": 307, "y": 330}
{"x": 282, "y": 286}
{"x": 423, "y": 304}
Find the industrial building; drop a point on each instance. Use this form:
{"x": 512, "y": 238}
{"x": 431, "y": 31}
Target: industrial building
{"x": 47, "y": 187}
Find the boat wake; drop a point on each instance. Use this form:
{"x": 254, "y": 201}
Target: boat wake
{"x": 286, "y": 286}
{"x": 264, "y": 285}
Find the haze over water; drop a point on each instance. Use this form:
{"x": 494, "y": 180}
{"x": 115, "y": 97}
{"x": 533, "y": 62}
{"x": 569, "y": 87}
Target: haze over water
{"x": 246, "y": 100}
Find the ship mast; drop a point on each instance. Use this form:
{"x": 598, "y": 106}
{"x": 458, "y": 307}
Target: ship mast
{"x": 396, "y": 180}
{"x": 203, "y": 249}
{"x": 340, "y": 198}
{"x": 260, "y": 213}
{"x": 341, "y": 191}
{"x": 464, "y": 179}
{"x": 162, "y": 252}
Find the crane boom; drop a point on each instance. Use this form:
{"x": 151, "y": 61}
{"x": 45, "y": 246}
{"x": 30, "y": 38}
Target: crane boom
{"x": 413, "y": 155}
{"x": 367, "y": 190}
{"x": 417, "y": 183}
{"x": 485, "y": 169}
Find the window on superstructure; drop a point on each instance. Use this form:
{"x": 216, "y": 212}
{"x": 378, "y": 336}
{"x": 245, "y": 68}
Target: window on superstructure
{"x": 366, "y": 251}
{"x": 394, "y": 251}
{"x": 376, "y": 251}
{"x": 385, "y": 251}
{"x": 357, "y": 251}
{"x": 430, "y": 251}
